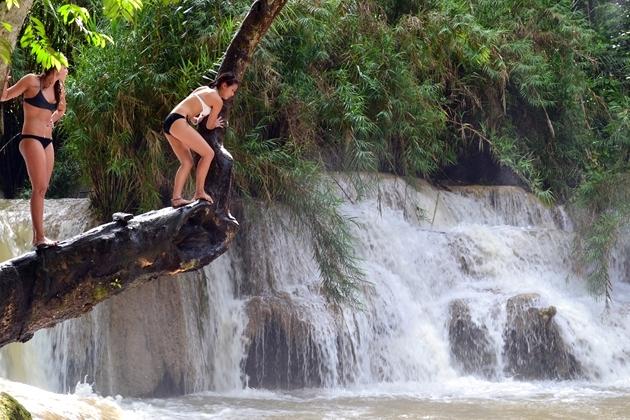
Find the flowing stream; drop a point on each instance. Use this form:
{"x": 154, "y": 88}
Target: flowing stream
{"x": 251, "y": 335}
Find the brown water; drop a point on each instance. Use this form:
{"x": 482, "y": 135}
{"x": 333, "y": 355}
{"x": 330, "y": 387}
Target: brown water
{"x": 556, "y": 402}
{"x": 456, "y": 400}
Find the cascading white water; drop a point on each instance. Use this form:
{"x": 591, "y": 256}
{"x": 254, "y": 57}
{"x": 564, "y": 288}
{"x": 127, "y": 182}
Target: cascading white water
{"x": 421, "y": 248}
{"x": 485, "y": 246}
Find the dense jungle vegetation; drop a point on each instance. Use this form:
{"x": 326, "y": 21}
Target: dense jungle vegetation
{"x": 405, "y": 87}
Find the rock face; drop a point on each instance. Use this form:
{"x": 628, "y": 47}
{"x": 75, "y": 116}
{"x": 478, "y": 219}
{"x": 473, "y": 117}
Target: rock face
{"x": 147, "y": 342}
{"x": 533, "y": 346}
{"x": 155, "y": 362}
{"x": 282, "y": 353}
{"x": 10, "y": 409}
{"x": 471, "y": 348}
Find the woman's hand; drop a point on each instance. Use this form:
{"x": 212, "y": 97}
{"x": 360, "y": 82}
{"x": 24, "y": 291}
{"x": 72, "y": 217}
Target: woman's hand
{"x": 219, "y": 123}
{"x": 53, "y": 119}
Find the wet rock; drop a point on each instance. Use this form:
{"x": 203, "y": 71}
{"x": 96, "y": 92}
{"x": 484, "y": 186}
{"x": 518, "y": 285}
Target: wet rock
{"x": 471, "y": 348}
{"x": 282, "y": 352}
{"x": 142, "y": 343}
{"x": 10, "y": 409}
{"x": 533, "y": 346}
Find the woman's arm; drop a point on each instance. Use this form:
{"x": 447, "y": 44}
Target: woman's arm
{"x": 17, "y": 89}
{"x": 217, "y": 104}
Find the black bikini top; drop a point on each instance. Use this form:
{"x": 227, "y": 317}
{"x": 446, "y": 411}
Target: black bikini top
{"x": 40, "y": 101}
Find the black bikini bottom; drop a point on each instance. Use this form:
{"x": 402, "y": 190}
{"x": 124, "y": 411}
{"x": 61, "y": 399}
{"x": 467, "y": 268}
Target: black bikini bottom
{"x": 170, "y": 119}
{"x": 45, "y": 141}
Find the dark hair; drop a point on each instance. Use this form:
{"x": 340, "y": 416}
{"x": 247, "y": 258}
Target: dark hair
{"x": 227, "y": 78}
{"x": 58, "y": 85}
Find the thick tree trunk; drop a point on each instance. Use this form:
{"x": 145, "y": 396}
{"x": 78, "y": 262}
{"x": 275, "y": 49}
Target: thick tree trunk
{"x": 237, "y": 57}
{"x": 256, "y": 23}
{"x": 39, "y": 290}
{"x": 14, "y": 17}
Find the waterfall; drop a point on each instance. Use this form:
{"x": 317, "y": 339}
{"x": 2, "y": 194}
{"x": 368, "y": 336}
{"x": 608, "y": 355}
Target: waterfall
{"x": 423, "y": 249}
{"x": 256, "y": 316}
{"x": 178, "y": 335}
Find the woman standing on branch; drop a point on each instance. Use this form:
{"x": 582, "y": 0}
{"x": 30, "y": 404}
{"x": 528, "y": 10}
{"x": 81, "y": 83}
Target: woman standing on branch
{"x": 44, "y": 105}
{"x": 202, "y": 102}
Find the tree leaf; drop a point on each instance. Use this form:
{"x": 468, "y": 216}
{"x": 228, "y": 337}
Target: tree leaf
{"x": 7, "y": 26}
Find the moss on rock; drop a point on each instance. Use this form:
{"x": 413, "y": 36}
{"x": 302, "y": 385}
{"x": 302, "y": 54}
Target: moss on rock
{"x": 10, "y": 409}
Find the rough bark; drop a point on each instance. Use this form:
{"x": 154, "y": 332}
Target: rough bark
{"x": 39, "y": 290}
{"x": 15, "y": 17}
{"x": 236, "y": 59}
{"x": 241, "y": 50}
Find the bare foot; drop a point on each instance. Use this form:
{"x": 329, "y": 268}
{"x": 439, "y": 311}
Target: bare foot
{"x": 204, "y": 196}
{"x": 45, "y": 243}
{"x": 179, "y": 202}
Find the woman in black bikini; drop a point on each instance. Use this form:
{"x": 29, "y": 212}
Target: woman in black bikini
{"x": 202, "y": 102}
{"x": 44, "y": 105}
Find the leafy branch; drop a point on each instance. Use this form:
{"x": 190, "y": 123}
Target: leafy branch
{"x": 36, "y": 39}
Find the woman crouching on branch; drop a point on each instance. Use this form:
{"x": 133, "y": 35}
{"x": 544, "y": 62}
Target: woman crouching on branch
{"x": 44, "y": 104}
{"x": 202, "y": 102}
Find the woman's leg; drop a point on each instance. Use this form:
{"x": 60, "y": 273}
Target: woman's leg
{"x": 185, "y": 165}
{"x": 39, "y": 163}
{"x": 191, "y": 139}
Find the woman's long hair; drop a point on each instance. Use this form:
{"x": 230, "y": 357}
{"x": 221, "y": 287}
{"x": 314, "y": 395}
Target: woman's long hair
{"x": 227, "y": 78}
{"x": 58, "y": 85}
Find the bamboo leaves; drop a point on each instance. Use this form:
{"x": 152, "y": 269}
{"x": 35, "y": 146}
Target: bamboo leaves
{"x": 125, "y": 9}
{"x": 396, "y": 86}
{"x": 80, "y": 16}
{"x": 36, "y": 36}
{"x": 35, "y": 39}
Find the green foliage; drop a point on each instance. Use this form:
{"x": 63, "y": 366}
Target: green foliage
{"x": 5, "y": 48}
{"x": 65, "y": 181}
{"x": 407, "y": 88}
{"x": 12, "y": 3}
{"x": 125, "y": 9}
{"x": 121, "y": 94}
{"x": 73, "y": 14}
{"x": 43, "y": 40}
{"x": 361, "y": 86}
{"x": 37, "y": 41}
{"x": 604, "y": 209}
{"x": 272, "y": 172}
